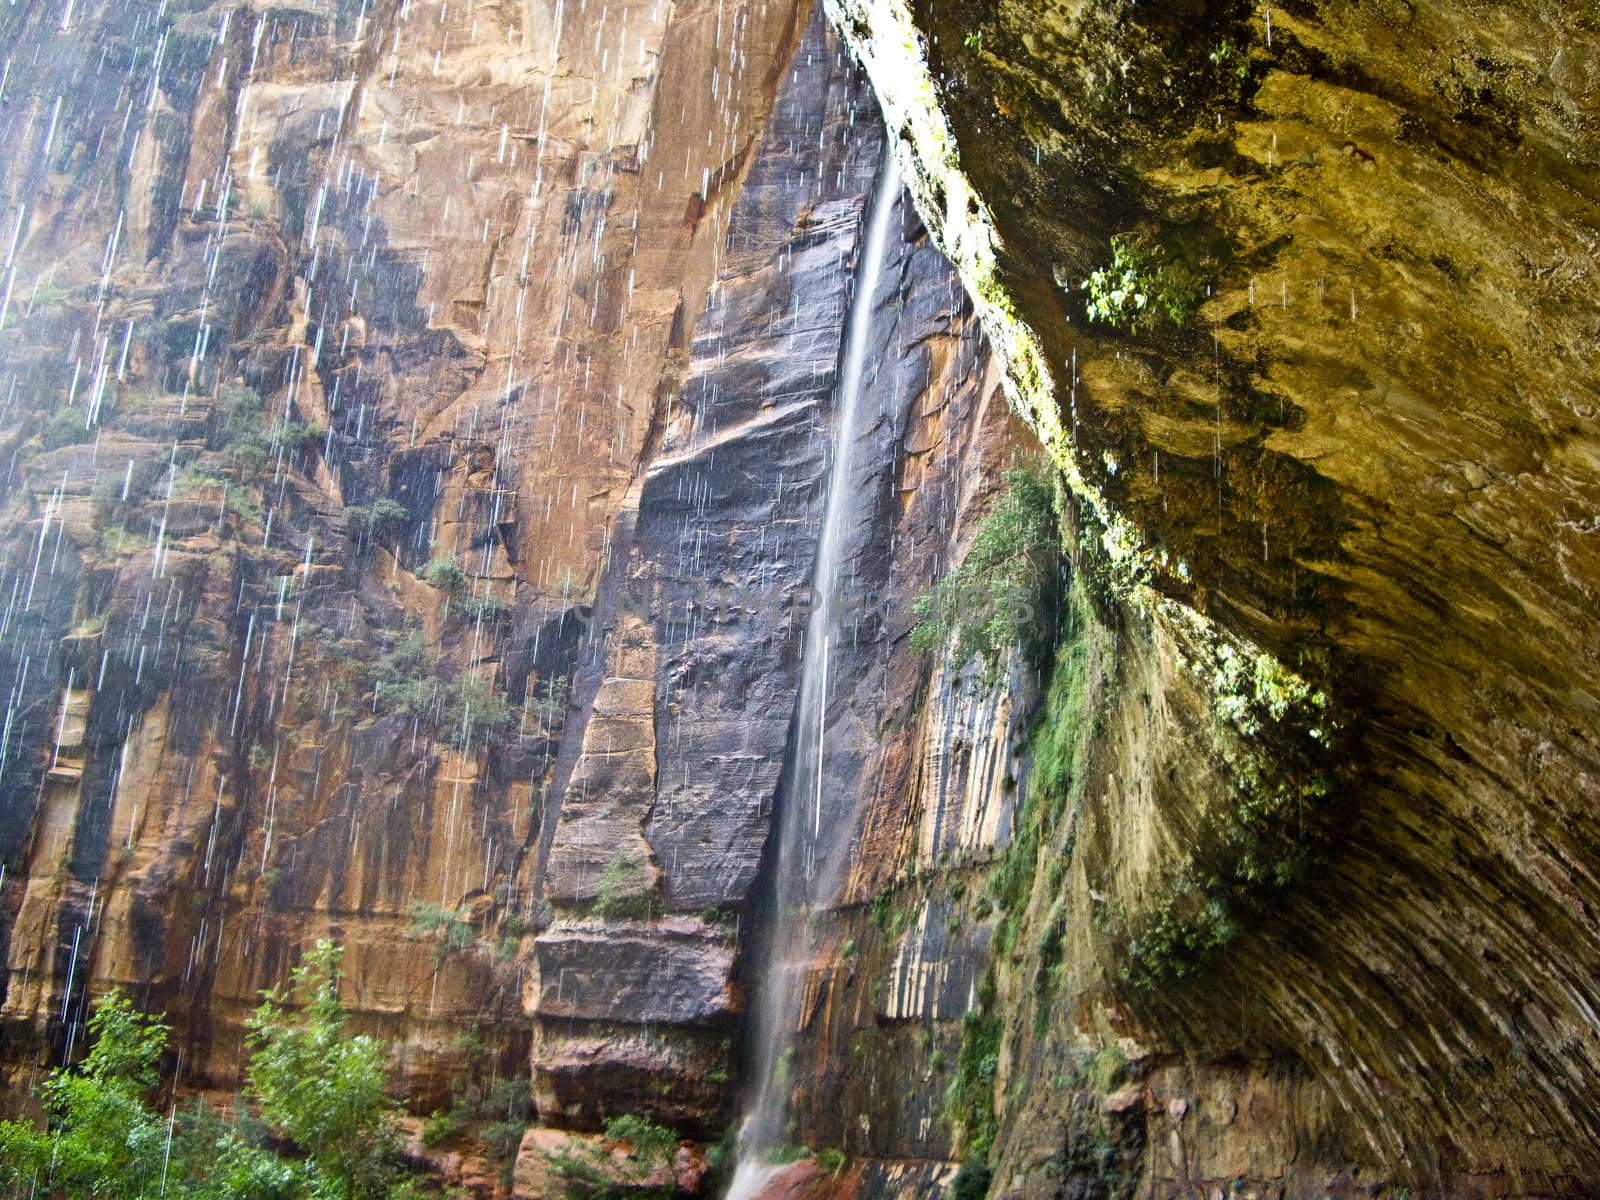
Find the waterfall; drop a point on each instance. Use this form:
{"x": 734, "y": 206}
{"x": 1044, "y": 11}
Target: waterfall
{"x": 813, "y": 843}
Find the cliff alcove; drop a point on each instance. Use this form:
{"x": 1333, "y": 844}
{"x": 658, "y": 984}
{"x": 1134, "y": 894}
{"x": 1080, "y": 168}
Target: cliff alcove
{"x": 434, "y": 521}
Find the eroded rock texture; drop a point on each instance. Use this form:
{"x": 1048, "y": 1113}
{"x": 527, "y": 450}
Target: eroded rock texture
{"x": 1367, "y": 450}
{"x": 416, "y": 421}
{"x": 350, "y": 335}
{"x": 418, "y": 418}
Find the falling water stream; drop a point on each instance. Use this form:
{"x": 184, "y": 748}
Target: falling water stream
{"x": 813, "y": 842}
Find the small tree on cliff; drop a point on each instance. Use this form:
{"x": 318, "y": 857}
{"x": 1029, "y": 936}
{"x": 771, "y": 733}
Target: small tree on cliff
{"x": 322, "y": 1089}
{"x": 103, "y": 1140}
{"x": 326, "y": 1129}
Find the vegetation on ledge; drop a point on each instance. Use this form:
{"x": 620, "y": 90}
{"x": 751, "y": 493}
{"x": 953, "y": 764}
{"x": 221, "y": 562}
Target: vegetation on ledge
{"x": 1005, "y": 593}
{"x": 644, "y": 1171}
{"x": 1142, "y": 287}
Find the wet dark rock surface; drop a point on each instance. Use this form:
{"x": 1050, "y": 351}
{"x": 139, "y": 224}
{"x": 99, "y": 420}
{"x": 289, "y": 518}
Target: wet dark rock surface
{"x": 493, "y": 598}
{"x": 1368, "y": 453}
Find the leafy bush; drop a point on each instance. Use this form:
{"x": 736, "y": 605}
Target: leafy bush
{"x": 623, "y": 889}
{"x": 479, "y": 608}
{"x": 313, "y": 1123}
{"x": 1177, "y": 936}
{"x": 497, "y": 1115}
{"x": 589, "y": 1172}
{"x": 408, "y": 678}
{"x": 1141, "y": 287}
{"x": 1231, "y": 58}
{"x": 445, "y": 574}
{"x": 103, "y": 1138}
{"x": 1006, "y": 590}
{"x": 384, "y": 517}
{"x": 65, "y": 427}
{"x": 552, "y": 698}
{"x": 969, "y": 1096}
{"x": 653, "y": 1145}
{"x": 405, "y": 678}
{"x": 241, "y": 507}
{"x": 385, "y": 510}
{"x": 450, "y": 930}
{"x": 441, "y": 1126}
{"x": 832, "y": 1160}
{"x": 243, "y": 438}
{"x": 296, "y": 437}
{"x": 321, "y": 1089}
{"x": 722, "y": 1156}
{"x": 890, "y": 917}
{"x": 475, "y": 712}
{"x": 972, "y": 1180}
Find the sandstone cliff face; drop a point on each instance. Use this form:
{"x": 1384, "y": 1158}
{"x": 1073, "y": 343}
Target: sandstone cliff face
{"x": 318, "y": 298}
{"x": 418, "y": 421}
{"x": 1288, "y": 946}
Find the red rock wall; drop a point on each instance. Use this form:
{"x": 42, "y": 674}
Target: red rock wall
{"x": 570, "y": 322}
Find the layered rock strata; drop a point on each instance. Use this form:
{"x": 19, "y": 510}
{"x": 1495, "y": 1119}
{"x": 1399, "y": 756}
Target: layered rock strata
{"x": 1312, "y": 946}
{"x": 418, "y": 419}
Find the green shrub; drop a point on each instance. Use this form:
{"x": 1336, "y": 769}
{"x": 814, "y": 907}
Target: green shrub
{"x": 587, "y": 1172}
{"x": 503, "y": 1138}
{"x": 722, "y": 1155}
{"x": 1142, "y": 287}
{"x": 296, "y": 437}
{"x": 1230, "y": 58}
{"x": 103, "y": 1139}
{"x": 313, "y": 1121}
{"x": 889, "y": 916}
{"x": 969, "y": 1096}
{"x": 66, "y": 427}
{"x": 624, "y": 889}
{"x": 445, "y": 574}
{"x": 382, "y": 517}
{"x": 441, "y": 1126}
{"x": 497, "y": 1115}
{"x": 475, "y": 712}
{"x": 972, "y": 1180}
{"x": 1178, "y": 936}
{"x": 387, "y": 511}
{"x": 472, "y": 609}
{"x": 408, "y": 678}
{"x": 1006, "y": 591}
{"x": 653, "y": 1145}
{"x": 241, "y": 507}
{"x": 321, "y": 1089}
{"x": 832, "y": 1160}
{"x": 241, "y": 433}
{"x": 552, "y": 698}
{"x": 450, "y": 930}
{"x": 405, "y": 677}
